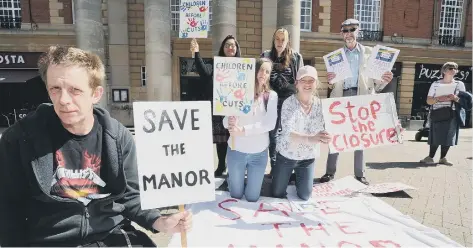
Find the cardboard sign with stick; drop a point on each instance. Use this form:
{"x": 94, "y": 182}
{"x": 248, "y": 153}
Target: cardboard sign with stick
{"x": 234, "y": 87}
{"x": 194, "y": 19}
{"x": 174, "y": 153}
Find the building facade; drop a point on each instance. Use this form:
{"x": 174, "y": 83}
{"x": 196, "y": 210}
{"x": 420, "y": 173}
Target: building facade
{"x": 428, "y": 33}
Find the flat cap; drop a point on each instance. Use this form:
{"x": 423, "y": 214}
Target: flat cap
{"x": 349, "y": 22}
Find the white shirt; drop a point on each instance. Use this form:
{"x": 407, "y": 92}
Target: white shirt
{"x": 257, "y": 126}
{"x": 459, "y": 87}
{"x": 293, "y": 119}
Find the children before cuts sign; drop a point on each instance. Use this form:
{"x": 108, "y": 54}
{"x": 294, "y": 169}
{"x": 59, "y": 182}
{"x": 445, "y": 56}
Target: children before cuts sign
{"x": 361, "y": 122}
{"x": 174, "y": 152}
{"x": 234, "y": 86}
{"x": 194, "y": 19}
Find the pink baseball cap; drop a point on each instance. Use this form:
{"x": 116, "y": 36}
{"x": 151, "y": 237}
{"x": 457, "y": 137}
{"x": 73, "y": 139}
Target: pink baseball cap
{"x": 305, "y": 71}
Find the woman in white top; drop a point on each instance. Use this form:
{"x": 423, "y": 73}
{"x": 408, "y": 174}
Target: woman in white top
{"x": 302, "y": 132}
{"x": 251, "y": 138}
{"x": 444, "y": 133}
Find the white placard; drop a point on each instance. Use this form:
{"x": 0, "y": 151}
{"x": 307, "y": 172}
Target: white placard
{"x": 337, "y": 63}
{"x": 174, "y": 152}
{"x": 382, "y": 59}
{"x": 444, "y": 89}
{"x": 361, "y": 122}
{"x": 234, "y": 86}
{"x": 194, "y": 19}
{"x": 382, "y": 188}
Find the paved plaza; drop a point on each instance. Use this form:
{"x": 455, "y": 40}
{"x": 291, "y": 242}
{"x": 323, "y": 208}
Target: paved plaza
{"x": 443, "y": 199}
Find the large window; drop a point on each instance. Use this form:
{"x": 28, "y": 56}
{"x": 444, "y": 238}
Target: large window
{"x": 368, "y": 12}
{"x": 175, "y": 14}
{"x": 10, "y": 14}
{"x": 451, "y": 18}
{"x": 306, "y": 15}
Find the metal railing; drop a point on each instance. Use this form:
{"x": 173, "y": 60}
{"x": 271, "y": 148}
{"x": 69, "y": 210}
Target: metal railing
{"x": 449, "y": 40}
{"x": 10, "y": 23}
{"x": 369, "y": 35}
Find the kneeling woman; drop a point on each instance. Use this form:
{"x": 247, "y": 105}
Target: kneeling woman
{"x": 251, "y": 138}
{"x": 302, "y": 132}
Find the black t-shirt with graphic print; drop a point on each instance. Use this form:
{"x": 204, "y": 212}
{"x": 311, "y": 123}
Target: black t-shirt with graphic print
{"x": 77, "y": 164}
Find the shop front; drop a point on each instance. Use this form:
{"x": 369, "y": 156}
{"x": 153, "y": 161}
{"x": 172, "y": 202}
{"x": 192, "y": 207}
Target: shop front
{"x": 425, "y": 75}
{"x": 21, "y": 87}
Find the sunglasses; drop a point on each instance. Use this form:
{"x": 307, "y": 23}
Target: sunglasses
{"x": 351, "y": 30}
{"x": 452, "y": 68}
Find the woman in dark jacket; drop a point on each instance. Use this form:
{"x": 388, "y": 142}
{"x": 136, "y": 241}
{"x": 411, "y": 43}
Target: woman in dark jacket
{"x": 282, "y": 80}
{"x": 229, "y": 48}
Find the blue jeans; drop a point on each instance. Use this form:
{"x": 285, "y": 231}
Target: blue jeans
{"x": 254, "y": 164}
{"x": 282, "y": 171}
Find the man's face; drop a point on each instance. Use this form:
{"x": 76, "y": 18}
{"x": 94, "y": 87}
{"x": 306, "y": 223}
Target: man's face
{"x": 350, "y": 34}
{"x": 71, "y": 94}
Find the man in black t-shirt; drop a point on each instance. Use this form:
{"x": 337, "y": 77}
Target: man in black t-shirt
{"x": 68, "y": 171}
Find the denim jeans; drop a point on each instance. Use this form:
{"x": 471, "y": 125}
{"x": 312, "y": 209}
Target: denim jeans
{"x": 254, "y": 164}
{"x": 282, "y": 171}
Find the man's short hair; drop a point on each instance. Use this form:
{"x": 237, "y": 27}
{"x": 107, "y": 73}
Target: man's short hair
{"x": 71, "y": 56}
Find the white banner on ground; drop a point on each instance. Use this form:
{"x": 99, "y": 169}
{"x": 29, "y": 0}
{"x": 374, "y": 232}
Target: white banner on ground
{"x": 382, "y": 188}
{"x": 361, "y": 221}
{"x": 175, "y": 153}
{"x": 361, "y": 122}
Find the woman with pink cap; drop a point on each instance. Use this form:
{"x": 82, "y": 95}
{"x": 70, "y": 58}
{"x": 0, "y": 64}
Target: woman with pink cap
{"x": 298, "y": 145}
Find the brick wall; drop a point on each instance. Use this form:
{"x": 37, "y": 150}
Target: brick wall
{"x": 316, "y": 10}
{"x": 66, "y": 11}
{"x": 249, "y": 27}
{"x": 136, "y": 39}
{"x": 468, "y": 24}
{"x": 40, "y": 11}
{"x": 339, "y": 13}
{"x": 409, "y": 18}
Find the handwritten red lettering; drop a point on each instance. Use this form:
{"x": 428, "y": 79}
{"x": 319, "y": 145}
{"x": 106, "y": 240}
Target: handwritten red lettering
{"x": 378, "y": 243}
{"x": 319, "y": 227}
{"x": 374, "y": 107}
{"x": 229, "y": 210}
{"x": 342, "y": 243}
{"x": 276, "y": 227}
{"x": 354, "y": 141}
{"x": 363, "y": 116}
{"x": 334, "y": 143}
{"x": 262, "y": 209}
{"x": 371, "y": 126}
{"x": 279, "y": 246}
{"x": 390, "y": 134}
{"x": 329, "y": 209}
{"x": 350, "y": 114}
{"x": 333, "y": 112}
{"x": 344, "y": 227}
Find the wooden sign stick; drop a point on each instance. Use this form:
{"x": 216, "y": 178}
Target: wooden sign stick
{"x": 183, "y": 234}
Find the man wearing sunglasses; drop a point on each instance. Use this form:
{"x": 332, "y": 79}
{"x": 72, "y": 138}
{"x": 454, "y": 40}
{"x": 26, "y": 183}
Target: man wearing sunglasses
{"x": 359, "y": 84}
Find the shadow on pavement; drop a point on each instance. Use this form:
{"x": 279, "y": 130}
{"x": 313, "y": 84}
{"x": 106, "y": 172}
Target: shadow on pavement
{"x": 405, "y": 165}
{"x": 399, "y": 194}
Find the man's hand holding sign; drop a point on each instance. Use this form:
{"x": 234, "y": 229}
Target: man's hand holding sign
{"x": 175, "y": 156}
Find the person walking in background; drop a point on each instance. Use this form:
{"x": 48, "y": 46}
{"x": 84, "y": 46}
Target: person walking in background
{"x": 229, "y": 48}
{"x": 286, "y": 63}
{"x": 446, "y": 114}
{"x": 302, "y": 132}
{"x": 359, "y": 84}
{"x": 251, "y": 139}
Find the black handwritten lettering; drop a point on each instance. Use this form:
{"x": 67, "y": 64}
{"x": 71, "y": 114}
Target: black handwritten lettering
{"x": 178, "y": 179}
{"x": 176, "y": 149}
{"x": 165, "y": 119}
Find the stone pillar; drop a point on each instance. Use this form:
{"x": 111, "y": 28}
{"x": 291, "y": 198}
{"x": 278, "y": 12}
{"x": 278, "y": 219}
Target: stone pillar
{"x": 223, "y": 22}
{"x": 158, "y": 50}
{"x": 289, "y": 12}
{"x": 269, "y": 23}
{"x": 119, "y": 62}
{"x": 89, "y": 31}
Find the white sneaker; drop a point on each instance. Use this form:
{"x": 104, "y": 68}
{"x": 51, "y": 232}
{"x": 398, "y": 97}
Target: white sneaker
{"x": 445, "y": 161}
{"x": 427, "y": 160}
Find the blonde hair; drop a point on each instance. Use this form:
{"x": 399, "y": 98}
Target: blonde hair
{"x": 448, "y": 65}
{"x": 71, "y": 56}
{"x": 287, "y": 53}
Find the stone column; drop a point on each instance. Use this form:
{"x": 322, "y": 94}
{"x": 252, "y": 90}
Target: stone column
{"x": 269, "y": 23}
{"x": 158, "y": 50}
{"x": 223, "y": 22}
{"x": 89, "y": 31}
{"x": 289, "y": 12}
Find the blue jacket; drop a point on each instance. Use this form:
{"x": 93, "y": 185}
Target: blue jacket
{"x": 465, "y": 103}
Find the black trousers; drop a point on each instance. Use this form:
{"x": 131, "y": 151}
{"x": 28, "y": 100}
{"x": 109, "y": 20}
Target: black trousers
{"x": 124, "y": 236}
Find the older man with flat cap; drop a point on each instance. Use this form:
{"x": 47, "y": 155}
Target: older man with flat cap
{"x": 358, "y": 84}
